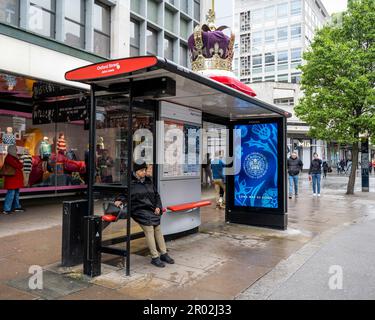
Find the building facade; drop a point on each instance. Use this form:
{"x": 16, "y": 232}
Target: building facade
{"x": 271, "y": 38}
{"x": 41, "y": 40}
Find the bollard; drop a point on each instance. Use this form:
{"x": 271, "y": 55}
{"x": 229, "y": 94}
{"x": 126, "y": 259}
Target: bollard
{"x": 92, "y": 244}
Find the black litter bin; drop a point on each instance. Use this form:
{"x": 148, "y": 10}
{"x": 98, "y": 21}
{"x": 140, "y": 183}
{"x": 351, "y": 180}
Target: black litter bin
{"x": 72, "y": 233}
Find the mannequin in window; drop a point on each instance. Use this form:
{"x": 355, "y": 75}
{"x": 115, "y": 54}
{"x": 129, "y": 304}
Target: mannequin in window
{"x": 100, "y": 144}
{"x": 105, "y": 165}
{"x": 9, "y": 137}
{"x": 61, "y": 143}
{"x": 26, "y": 160}
{"x": 45, "y": 151}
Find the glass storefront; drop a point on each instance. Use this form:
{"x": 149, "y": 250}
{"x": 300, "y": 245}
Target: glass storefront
{"x": 47, "y": 123}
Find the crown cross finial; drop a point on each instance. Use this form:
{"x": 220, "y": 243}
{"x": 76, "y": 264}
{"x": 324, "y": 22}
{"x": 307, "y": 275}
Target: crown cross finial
{"x": 211, "y": 17}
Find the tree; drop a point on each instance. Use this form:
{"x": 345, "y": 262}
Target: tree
{"x": 338, "y": 81}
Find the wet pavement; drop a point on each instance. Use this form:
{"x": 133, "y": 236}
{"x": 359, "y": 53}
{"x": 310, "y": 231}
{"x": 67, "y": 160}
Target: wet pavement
{"x": 222, "y": 261}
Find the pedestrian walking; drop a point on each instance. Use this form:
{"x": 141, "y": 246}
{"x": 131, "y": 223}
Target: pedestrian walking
{"x": 13, "y": 181}
{"x": 208, "y": 171}
{"x": 325, "y": 169}
{"x": 342, "y": 165}
{"x": 295, "y": 166}
{"x": 146, "y": 210}
{"x": 217, "y": 167}
{"x": 315, "y": 173}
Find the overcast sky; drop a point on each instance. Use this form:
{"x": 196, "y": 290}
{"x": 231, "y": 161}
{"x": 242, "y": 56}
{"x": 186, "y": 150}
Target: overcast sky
{"x": 335, "y": 5}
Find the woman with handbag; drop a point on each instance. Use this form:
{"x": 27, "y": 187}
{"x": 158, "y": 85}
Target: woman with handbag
{"x": 13, "y": 181}
{"x": 147, "y": 210}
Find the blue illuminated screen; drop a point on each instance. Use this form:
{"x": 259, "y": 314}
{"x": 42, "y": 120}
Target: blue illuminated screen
{"x": 256, "y": 185}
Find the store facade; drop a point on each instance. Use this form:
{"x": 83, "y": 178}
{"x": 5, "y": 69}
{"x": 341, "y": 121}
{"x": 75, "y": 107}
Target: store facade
{"x": 46, "y": 121}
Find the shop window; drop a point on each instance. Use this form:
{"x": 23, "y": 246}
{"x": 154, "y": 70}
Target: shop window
{"x": 75, "y": 23}
{"x": 47, "y": 123}
{"x": 102, "y": 29}
{"x": 42, "y": 17}
{"x": 10, "y": 12}
{"x": 269, "y": 78}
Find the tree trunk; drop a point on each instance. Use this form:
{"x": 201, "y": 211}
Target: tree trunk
{"x": 351, "y": 183}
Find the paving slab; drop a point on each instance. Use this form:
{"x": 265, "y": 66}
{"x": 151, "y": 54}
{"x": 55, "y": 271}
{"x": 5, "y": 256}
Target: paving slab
{"x": 54, "y": 285}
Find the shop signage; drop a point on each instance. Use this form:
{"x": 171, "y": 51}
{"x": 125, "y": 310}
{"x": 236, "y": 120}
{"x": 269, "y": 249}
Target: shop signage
{"x": 42, "y": 90}
{"x": 60, "y": 111}
{"x": 111, "y": 68}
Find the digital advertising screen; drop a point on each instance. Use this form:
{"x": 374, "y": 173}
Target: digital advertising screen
{"x": 256, "y": 148}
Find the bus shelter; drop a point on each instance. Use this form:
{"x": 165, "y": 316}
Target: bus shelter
{"x": 132, "y": 97}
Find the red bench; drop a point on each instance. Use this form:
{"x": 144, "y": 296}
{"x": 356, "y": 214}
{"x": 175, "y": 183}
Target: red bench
{"x": 177, "y": 208}
{"x": 189, "y": 206}
{"x": 112, "y": 218}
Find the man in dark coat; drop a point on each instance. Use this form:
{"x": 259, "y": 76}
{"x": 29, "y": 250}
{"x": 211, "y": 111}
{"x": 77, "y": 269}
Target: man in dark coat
{"x": 146, "y": 209}
{"x": 316, "y": 172}
{"x": 295, "y": 166}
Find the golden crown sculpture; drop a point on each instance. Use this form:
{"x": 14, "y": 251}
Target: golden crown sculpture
{"x": 210, "y": 48}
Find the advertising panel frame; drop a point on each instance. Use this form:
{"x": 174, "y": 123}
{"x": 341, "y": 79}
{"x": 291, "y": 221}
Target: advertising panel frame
{"x": 260, "y": 216}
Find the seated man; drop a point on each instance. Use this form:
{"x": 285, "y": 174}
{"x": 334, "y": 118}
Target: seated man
{"x": 146, "y": 209}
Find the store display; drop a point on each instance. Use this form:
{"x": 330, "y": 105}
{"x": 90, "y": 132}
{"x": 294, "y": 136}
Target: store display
{"x": 61, "y": 143}
{"x": 71, "y": 155}
{"x": 9, "y": 137}
{"x": 27, "y": 162}
{"x": 105, "y": 165}
{"x": 100, "y": 143}
{"x": 45, "y": 149}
